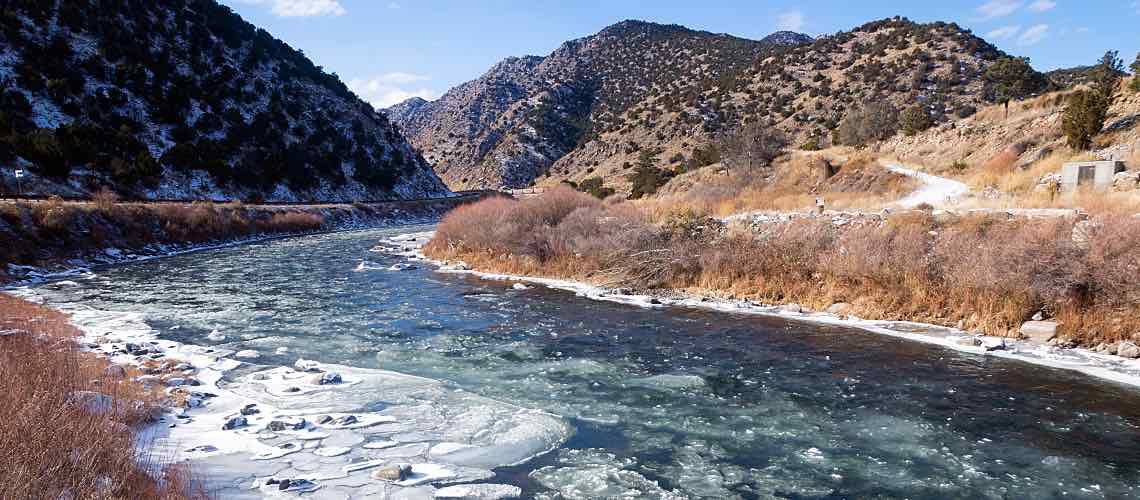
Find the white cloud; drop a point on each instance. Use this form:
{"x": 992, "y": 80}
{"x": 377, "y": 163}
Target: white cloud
{"x": 1033, "y": 34}
{"x": 1003, "y": 32}
{"x": 302, "y": 8}
{"x": 1042, "y": 5}
{"x": 998, "y": 8}
{"x": 391, "y": 88}
{"x": 790, "y": 21}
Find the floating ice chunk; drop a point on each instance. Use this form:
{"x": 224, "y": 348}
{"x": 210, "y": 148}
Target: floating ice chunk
{"x": 520, "y": 286}
{"x": 813, "y": 454}
{"x": 247, "y": 354}
{"x": 479, "y": 491}
{"x": 433, "y": 473}
{"x": 281, "y": 350}
{"x": 400, "y": 266}
{"x": 273, "y": 486}
{"x": 343, "y": 421}
{"x": 379, "y": 445}
{"x": 216, "y": 336}
{"x": 272, "y": 452}
{"x": 368, "y": 266}
{"x": 331, "y": 451}
{"x": 671, "y": 381}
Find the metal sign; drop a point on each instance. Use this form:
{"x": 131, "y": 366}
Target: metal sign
{"x": 19, "y": 174}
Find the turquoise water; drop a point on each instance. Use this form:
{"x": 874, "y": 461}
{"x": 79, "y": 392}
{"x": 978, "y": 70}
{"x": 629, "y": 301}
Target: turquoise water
{"x": 674, "y": 402}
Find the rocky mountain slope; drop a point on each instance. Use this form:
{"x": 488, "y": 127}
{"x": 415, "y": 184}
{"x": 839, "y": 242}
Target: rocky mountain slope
{"x": 640, "y": 94}
{"x": 182, "y": 98}
{"x": 511, "y": 124}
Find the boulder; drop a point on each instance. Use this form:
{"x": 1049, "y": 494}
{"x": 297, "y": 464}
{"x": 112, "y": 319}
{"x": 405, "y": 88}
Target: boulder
{"x": 250, "y": 409}
{"x": 305, "y": 365}
{"x": 287, "y": 425}
{"x": 327, "y": 378}
{"x": 398, "y": 472}
{"x": 1128, "y": 350}
{"x": 1040, "y": 331}
{"x": 235, "y": 423}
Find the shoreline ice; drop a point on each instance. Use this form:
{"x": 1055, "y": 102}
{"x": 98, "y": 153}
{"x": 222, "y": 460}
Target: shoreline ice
{"x": 247, "y": 425}
{"x": 1102, "y": 366}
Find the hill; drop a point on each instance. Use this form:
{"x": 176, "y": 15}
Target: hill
{"x": 184, "y": 99}
{"x": 641, "y": 95}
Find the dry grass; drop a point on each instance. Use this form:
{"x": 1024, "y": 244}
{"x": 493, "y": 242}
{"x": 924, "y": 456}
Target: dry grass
{"x": 859, "y": 184}
{"x": 58, "y": 441}
{"x": 988, "y": 273}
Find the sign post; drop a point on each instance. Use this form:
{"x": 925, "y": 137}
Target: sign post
{"x": 19, "y": 190}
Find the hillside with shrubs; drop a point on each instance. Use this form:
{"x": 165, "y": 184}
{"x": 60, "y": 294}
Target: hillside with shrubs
{"x": 639, "y": 103}
{"x": 184, "y": 99}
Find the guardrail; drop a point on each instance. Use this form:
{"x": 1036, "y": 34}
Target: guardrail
{"x": 460, "y": 195}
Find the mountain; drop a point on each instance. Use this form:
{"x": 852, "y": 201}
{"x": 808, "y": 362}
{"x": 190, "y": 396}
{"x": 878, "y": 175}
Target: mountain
{"x": 182, "y": 98}
{"x": 511, "y": 124}
{"x": 642, "y": 94}
{"x": 789, "y": 38}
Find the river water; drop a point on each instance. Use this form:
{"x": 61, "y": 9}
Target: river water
{"x": 663, "y": 402}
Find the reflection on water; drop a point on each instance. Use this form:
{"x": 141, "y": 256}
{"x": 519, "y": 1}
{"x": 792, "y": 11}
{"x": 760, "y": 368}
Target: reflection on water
{"x": 666, "y": 402}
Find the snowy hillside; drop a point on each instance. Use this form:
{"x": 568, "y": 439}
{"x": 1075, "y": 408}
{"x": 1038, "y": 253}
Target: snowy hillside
{"x": 182, "y": 98}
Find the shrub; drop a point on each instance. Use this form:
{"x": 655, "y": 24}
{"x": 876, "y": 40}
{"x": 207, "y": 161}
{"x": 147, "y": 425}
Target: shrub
{"x": 596, "y": 187}
{"x": 646, "y": 180}
{"x": 915, "y": 119}
{"x": 875, "y": 121}
{"x": 56, "y": 448}
{"x": 104, "y": 200}
{"x": 1084, "y": 118}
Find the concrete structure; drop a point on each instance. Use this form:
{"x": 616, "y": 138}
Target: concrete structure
{"x": 1096, "y": 174}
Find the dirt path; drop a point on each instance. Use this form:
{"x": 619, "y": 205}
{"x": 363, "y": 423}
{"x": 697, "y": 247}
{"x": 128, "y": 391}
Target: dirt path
{"x": 935, "y": 191}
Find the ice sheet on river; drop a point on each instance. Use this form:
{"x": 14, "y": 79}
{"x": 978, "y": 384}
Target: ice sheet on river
{"x": 256, "y": 426}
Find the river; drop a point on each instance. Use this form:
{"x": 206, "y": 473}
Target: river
{"x": 662, "y": 402}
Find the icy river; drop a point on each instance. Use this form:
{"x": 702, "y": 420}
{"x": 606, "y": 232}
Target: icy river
{"x": 566, "y": 397}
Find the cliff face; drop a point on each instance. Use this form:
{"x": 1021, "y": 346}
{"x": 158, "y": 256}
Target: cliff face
{"x": 640, "y": 93}
{"x": 184, "y": 99}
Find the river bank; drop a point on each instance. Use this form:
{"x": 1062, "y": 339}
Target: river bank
{"x": 976, "y": 280}
{"x": 52, "y": 238}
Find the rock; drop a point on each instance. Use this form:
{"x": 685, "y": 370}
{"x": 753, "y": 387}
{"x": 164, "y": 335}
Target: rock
{"x": 398, "y": 472}
{"x": 1128, "y": 350}
{"x": 305, "y": 365}
{"x": 327, "y": 378}
{"x": 654, "y": 300}
{"x": 791, "y": 308}
{"x": 479, "y": 491}
{"x": 115, "y": 371}
{"x": 247, "y": 354}
{"x": 519, "y": 286}
{"x": 287, "y": 425}
{"x": 235, "y": 423}
{"x": 346, "y": 420}
{"x": 216, "y": 336}
{"x": 292, "y": 389}
{"x": 176, "y": 382}
{"x": 148, "y": 380}
{"x": 1040, "y": 331}
{"x": 839, "y": 308}
{"x": 324, "y": 419}
{"x": 250, "y": 409}
{"x": 1038, "y": 316}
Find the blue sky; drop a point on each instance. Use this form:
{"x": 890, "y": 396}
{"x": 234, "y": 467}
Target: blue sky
{"x": 389, "y": 50}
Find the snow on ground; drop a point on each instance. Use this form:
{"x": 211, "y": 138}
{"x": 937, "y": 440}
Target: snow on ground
{"x": 934, "y": 191}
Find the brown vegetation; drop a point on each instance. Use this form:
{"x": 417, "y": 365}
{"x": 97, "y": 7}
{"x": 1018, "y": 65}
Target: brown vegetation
{"x": 988, "y": 273}
{"x": 69, "y": 417}
{"x": 795, "y": 184}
